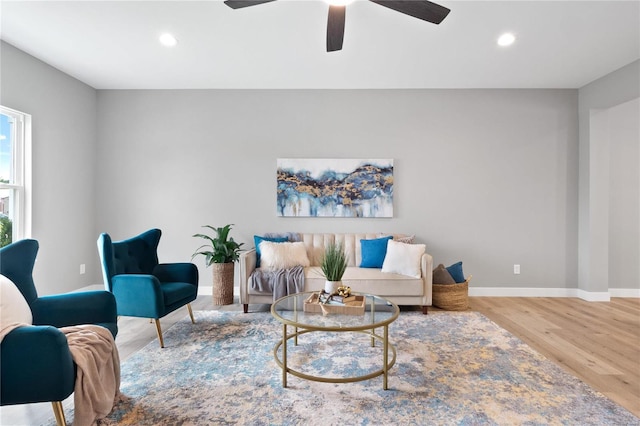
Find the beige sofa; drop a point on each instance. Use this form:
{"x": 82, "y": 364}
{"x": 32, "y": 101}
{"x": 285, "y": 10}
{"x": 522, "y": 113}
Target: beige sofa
{"x": 400, "y": 289}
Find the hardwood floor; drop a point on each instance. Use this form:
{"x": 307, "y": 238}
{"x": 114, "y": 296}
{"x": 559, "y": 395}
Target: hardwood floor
{"x": 599, "y": 342}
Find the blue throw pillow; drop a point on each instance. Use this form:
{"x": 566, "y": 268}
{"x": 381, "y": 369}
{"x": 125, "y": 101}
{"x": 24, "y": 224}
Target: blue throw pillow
{"x": 373, "y": 252}
{"x": 257, "y": 240}
{"x": 456, "y": 273}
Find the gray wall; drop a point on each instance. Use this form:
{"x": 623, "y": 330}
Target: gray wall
{"x": 64, "y": 135}
{"x": 595, "y": 227}
{"x": 488, "y": 177}
{"x": 624, "y": 195}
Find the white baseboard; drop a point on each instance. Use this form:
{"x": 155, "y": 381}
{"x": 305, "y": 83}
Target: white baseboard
{"x": 594, "y": 296}
{"x": 202, "y": 290}
{"x": 590, "y": 296}
{"x": 522, "y": 292}
{"x": 208, "y": 290}
{"x": 93, "y": 287}
{"x": 625, "y": 292}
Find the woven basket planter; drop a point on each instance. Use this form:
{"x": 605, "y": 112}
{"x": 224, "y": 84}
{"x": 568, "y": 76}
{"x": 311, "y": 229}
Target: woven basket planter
{"x": 451, "y": 297}
{"x": 223, "y": 283}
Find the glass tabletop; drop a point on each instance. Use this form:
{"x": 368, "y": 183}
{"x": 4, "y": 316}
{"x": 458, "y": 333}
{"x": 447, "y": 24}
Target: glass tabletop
{"x": 291, "y": 310}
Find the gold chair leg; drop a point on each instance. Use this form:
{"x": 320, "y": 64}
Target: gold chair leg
{"x": 191, "y": 313}
{"x": 59, "y": 413}
{"x": 159, "y": 330}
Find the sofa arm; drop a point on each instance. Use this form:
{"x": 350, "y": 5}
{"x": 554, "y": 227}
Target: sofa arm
{"x": 247, "y": 266}
{"x": 426, "y": 265}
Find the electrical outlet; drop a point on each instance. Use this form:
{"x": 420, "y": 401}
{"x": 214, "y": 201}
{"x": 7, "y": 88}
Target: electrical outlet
{"x": 516, "y": 269}
{"x": 82, "y": 268}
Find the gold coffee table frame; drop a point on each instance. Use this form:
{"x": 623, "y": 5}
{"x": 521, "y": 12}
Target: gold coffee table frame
{"x": 290, "y": 312}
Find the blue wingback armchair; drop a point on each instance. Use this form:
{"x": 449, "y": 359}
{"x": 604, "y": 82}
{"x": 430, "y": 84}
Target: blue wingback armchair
{"x": 35, "y": 361}
{"x": 142, "y": 286}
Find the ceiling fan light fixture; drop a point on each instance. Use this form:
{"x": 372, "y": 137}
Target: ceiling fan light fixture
{"x": 168, "y": 40}
{"x": 506, "y": 39}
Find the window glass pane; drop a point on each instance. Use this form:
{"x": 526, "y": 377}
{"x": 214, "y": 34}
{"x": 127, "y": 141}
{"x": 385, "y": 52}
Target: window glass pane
{"x": 6, "y": 154}
{"x": 6, "y": 222}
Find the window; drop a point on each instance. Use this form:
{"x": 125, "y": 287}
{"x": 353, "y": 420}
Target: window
{"x": 15, "y": 175}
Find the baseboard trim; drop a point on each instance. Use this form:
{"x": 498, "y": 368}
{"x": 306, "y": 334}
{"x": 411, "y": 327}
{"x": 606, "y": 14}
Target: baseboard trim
{"x": 589, "y": 296}
{"x": 207, "y": 290}
{"x": 202, "y": 290}
{"x": 522, "y": 292}
{"x": 625, "y": 292}
{"x": 594, "y": 296}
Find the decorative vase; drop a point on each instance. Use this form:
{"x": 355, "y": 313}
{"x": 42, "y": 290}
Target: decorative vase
{"x": 331, "y": 287}
{"x": 223, "y": 281}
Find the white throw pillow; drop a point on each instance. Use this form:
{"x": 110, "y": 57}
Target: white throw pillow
{"x": 403, "y": 258}
{"x": 13, "y": 307}
{"x": 275, "y": 256}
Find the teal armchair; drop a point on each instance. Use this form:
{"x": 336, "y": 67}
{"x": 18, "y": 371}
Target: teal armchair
{"x": 35, "y": 361}
{"x": 142, "y": 286}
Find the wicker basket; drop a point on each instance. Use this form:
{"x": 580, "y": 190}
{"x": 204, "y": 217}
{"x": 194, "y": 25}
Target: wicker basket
{"x": 223, "y": 283}
{"x": 451, "y": 297}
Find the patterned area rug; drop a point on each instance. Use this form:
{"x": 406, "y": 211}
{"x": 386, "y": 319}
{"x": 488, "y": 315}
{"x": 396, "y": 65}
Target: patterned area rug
{"x": 452, "y": 368}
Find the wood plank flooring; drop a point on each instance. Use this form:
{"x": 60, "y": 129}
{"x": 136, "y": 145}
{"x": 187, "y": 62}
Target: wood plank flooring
{"x": 599, "y": 342}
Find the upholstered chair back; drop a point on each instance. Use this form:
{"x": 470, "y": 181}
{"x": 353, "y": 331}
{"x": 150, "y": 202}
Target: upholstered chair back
{"x": 16, "y": 263}
{"x": 136, "y": 255}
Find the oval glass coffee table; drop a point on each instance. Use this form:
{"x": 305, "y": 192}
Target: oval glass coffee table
{"x": 378, "y": 313}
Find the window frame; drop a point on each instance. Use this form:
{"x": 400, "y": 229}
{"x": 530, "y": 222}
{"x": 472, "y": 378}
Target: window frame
{"x": 22, "y": 166}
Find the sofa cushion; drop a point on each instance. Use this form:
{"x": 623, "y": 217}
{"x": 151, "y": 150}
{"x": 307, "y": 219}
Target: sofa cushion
{"x": 368, "y": 280}
{"x": 13, "y": 306}
{"x": 442, "y": 276}
{"x": 258, "y": 239}
{"x": 456, "y": 272}
{"x": 283, "y": 255}
{"x": 403, "y": 258}
{"x": 374, "y": 252}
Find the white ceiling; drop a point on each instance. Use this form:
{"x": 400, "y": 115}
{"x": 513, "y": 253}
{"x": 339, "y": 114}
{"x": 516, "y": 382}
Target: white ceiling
{"x": 113, "y": 44}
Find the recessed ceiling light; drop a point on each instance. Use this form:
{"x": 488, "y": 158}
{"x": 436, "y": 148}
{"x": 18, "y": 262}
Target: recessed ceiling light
{"x": 168, "y": 40}
{"x": 506, "y": 39}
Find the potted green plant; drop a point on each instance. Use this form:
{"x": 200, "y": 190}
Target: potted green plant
{"x": 220, "y": 253}
{"x": 333, "y": 265}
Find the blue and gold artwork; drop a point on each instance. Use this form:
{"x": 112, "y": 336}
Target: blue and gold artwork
{"x": 335, "y": 187}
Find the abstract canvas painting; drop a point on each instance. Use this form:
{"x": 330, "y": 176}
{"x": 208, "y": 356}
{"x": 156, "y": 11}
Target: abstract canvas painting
{"x": 335, "y": 187}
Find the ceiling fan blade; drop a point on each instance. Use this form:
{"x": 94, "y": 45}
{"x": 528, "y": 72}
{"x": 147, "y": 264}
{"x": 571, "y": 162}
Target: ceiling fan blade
{"x": 239, "y": 4}
{"x": 421, "y": 9}
{"x": 335, "y": 27}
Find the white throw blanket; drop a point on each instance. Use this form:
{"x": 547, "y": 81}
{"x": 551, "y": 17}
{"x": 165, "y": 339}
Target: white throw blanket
{"x": 98, "y": 370}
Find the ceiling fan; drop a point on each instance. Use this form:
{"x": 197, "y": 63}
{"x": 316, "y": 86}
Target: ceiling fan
{"x": 421, "y": 9}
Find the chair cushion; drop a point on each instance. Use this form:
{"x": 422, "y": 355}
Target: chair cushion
{"x": 174, "y": 292}
{"x": 13, "y": 307}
